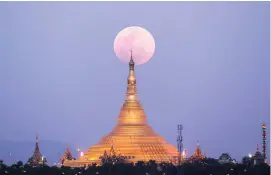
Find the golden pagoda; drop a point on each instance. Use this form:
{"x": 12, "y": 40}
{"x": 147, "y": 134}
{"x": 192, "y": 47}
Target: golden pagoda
{"x": 197, "y": 156}
{"x": 197, "y": 153}
{"x": 132, "y": 136}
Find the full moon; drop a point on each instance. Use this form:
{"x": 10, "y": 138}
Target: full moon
{"x": 137, "y": 41}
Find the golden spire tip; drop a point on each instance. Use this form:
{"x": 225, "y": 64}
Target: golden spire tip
{"x": 131, "y": 63}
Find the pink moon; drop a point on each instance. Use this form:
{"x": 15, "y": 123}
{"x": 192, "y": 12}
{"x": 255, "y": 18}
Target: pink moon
{"x": 137, "y": 40}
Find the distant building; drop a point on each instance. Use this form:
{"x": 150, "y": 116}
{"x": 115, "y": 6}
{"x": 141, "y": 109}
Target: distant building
{"x": 258, "y": 157}
{"x": 226, "y": 158}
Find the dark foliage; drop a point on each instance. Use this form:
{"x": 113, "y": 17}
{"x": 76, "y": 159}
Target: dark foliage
{"x": 206, "y": 167}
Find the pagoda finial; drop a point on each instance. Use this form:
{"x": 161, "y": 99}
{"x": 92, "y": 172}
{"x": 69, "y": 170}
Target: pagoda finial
{"x": 37, "y": 145}
{"x": 37, "y": 139}
{"x": 257, "y": 147}
{"x": 131, "y": 94}
{"x": 197, "y": 143}
{"x": 131, "y": 63}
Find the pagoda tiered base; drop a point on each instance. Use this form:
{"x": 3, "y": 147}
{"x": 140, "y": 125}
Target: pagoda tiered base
{"x": 140, "y": 147}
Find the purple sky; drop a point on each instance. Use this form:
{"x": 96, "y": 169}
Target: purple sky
{"x": 61, "y": 79}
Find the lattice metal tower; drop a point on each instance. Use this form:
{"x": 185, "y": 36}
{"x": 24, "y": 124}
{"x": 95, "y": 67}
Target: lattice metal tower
{"x": 264, "y": 140}
{"x": 180, "y": 139}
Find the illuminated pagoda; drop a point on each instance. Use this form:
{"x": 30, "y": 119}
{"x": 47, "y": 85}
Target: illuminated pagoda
{"x": 36, "y": 159}
{"x": 132, "y": 136}
{"x": 197, "y": 156}
{"x": 67, "y": 156}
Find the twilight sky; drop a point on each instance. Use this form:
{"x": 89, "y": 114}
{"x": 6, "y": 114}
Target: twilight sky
{"x": 60, "y": 78}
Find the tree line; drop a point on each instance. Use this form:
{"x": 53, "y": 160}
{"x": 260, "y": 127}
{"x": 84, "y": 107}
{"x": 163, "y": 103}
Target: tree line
{"x": 204, "y": 167}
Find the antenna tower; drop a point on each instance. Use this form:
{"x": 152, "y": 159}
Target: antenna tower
{"x": 180, "y": 139}
{"x": 264, "y": 141}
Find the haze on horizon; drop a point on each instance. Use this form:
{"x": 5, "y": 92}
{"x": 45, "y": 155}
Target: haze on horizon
{"x": 210, "y": 71}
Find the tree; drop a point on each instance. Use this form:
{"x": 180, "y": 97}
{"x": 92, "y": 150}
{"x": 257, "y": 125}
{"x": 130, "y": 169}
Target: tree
{"x": 20, "y": 164}
{"x": 247, "y": 161}
{"x": 2, "y": 164}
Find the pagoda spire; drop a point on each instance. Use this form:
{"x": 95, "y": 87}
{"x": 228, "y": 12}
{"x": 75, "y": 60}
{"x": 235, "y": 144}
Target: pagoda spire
{"x": 67, "y": 155}
{"x": 37, "y": 139}
{"x": 36, "y": 158}
{"x": 131, "y": 94}
{"x": 37, "y": 149}
{"x": 131, "y": 63}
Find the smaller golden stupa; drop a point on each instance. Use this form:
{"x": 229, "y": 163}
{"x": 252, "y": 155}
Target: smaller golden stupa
{"x": 197, "y": 155}
{"x": 132, "y": 137}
